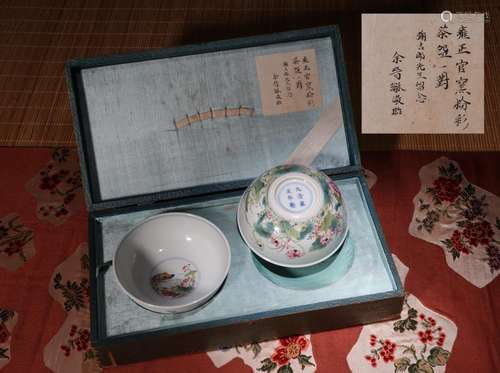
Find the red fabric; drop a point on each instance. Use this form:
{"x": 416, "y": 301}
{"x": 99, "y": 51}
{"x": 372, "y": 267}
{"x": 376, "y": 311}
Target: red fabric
{"x": 474, "y": 310}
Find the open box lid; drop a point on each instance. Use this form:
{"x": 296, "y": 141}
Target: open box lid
{"x": 209, "y": 118}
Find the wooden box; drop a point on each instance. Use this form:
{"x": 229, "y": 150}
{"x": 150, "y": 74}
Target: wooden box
{"x": 187, "y": 129}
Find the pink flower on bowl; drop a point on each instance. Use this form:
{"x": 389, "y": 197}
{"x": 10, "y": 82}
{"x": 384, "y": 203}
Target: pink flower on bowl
{"x": 294, "y": 253}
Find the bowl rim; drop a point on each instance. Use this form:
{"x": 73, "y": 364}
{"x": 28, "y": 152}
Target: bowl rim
{"x": 182, "y": 307}
{"x": 256, "y": 252}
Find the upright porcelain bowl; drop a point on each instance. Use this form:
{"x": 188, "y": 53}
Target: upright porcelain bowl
{"x": 172, "y": 262}
{"x": 293, "y": 216}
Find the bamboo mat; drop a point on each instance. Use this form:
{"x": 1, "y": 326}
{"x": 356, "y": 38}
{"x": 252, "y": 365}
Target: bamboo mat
{"x": 37, "y": 37}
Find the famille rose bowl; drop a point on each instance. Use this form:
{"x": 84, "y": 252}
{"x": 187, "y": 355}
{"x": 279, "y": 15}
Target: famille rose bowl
{"x": 172, "y": 262}
{"x": 293, "y": 216}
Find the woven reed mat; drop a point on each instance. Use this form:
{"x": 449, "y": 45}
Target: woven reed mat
{"x": 37, "y": 37}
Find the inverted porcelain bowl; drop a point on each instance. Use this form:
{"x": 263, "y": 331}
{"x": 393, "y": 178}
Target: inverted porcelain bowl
{"x": 172, "y": 262}
{"x": 293, "y": 216}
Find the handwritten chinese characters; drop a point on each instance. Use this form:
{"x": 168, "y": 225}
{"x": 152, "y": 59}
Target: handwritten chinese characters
{"x": 395, "y": 85}
{"x": 461, "y": 90}
{"x": 460, "y": 103}
{"x": 277, "y": 91}
{"x": 289, "y": 82}
{"x": 420, "y": 67}
{"x": 422, "y": 75}
{"x": 442, "y": 79}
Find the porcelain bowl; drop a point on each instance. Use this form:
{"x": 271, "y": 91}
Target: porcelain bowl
{"x": 293, "y": 216}
{"x": 172, "y": 262}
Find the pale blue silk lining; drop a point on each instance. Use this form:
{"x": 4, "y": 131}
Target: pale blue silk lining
{"x": 246, "y": 291}
{"x": 132, "y": 108}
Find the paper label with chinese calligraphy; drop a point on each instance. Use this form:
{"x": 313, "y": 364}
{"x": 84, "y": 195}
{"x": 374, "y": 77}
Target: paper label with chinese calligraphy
{"x": 288, "y": 82}
{"x": 423, "y": 73}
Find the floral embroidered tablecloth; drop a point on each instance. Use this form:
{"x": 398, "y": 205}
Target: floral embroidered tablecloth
{"x": 423, "y": 200}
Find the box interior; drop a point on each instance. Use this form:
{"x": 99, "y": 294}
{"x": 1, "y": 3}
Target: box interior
{"x": 132, "y": 109}
{"x": 246, "y": 293}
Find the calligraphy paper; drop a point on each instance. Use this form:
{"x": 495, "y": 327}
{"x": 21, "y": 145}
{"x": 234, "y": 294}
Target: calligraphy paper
{"x": 288, "y": 82}
{"x": 421, "y": 74}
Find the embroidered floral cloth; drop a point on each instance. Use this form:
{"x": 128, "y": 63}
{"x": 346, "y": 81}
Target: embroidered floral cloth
{"x": 285, "y": 355}
{"x": 8, "y": 320}
{"x": 57, "y": 187}
{"x": 70, "y": 351}
{"x": 47, "y": 290}
{"x": 420, "y": 341}
{"x": 461, "y": 217}
{"x": 16, "y": 242}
